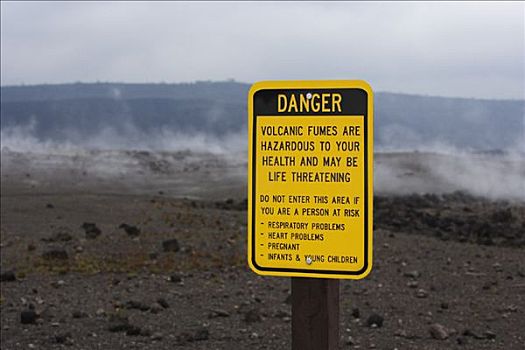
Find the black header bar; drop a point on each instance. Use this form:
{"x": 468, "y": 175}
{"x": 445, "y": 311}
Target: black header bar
{"x": 348, "y": 102}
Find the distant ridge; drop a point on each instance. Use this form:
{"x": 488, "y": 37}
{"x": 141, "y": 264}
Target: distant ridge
{"x": 58, "y": 111}
{"x": 43, "y": 92}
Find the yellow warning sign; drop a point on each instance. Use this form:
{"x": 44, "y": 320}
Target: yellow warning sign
{"x": 310, "y": 178}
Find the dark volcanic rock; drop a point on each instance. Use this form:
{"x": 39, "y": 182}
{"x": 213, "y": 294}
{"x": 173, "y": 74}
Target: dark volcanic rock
{"x": 455, "y": 216}
{"x": 356, "y": 313}
{"x": 175, "y": 278}
{"x": 438, "y": 331}
{"x": 7, "y": 276}
{"x": 503, "y": 216}
{"x": 184, "y": 337}
{"x": 157, "y": 336}
{"x": 461, "y": 340}
{"x": 137, "y": 305}
{"x": 218, "y": 313}
{"x": 145, "y": 332}
{"x": 133, "y": 331}
{"x": 118, "y": 323}
{"x": 171, "y": 245}
{"x": 57, "y": 254}
{"x": 252, "y": 316}
{"x": 478, "y": 335}
{"x": 375, "y": 319}
{"x": 63, "y": 338}
{"x": 156, "y": 308}
{"x": 282, "y": 314}
{"x": 231, "y": 204}
{"x": 91, "y": 230}
{"x": 78, "y": 314}
{"x": 132, "y": 231}
{"x": 28, "y": 317}
{"x": 489, "y": 335}
{"x": 162, "y": 302}
{"x": 199, "y": 334}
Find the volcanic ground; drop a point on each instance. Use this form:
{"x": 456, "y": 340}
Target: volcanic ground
{"x": 142, "y": 250}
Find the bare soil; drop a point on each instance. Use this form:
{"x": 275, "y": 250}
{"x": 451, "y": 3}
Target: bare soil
{"x": 449, "y": 268}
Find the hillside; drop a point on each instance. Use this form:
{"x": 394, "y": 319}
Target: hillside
{"x": 78, "y": 112}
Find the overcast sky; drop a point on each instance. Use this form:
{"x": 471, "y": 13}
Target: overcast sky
{"x": 448, "y": 49}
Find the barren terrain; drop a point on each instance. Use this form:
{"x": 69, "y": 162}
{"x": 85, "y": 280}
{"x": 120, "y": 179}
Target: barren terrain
{"x": 119, "y": 250}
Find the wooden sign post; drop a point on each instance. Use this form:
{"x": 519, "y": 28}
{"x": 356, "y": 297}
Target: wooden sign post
{"x": 310, "y": 195}
{"x": 315, "y": 313}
